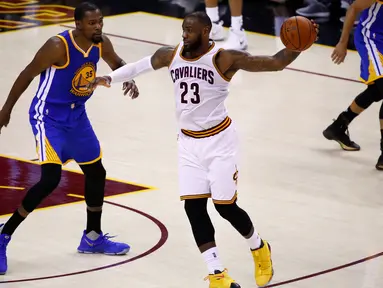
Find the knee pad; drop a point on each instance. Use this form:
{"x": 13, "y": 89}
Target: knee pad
{"x": 50, "y": 179}
{"x": 368, "y": 96}
{"x": 203, "y": 230}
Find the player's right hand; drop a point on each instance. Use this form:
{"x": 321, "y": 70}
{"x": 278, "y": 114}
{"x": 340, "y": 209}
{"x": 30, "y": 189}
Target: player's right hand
{"x": 99, "y": 81}
{"x": 5, "y": 116}
{"x": 339, "y": 53}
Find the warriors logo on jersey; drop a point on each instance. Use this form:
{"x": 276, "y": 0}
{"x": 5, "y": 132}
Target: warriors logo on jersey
{"x": 83, "y": 76}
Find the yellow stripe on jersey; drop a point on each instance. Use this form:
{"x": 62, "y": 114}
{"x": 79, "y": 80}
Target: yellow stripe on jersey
{"x": 67, "y": 53}
{"x": 209, "y": 132}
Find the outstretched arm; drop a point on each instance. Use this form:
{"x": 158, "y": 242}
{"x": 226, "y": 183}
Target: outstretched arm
{"x": 245, "y": 61}
{"x": 161, "y": 58}
{"x": 230, "y": 61}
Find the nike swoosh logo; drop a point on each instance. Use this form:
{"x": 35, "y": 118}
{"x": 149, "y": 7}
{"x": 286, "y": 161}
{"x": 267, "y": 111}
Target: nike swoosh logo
{"x": 90, "y": 244}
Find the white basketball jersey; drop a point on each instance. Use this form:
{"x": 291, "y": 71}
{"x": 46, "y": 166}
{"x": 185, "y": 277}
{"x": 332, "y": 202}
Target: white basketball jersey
{"x": 200, "y": 90}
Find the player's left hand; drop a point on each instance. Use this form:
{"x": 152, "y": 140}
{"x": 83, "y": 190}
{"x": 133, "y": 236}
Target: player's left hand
{"x": 316, "y": 28}
{"x": 132, "y": 87}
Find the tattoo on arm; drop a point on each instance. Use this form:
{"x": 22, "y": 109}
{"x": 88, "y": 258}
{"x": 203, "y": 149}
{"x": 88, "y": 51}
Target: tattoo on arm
{"x": 285, "y": 57}
{"x": 163, "y": 57}
{"x": 244, "y": 61}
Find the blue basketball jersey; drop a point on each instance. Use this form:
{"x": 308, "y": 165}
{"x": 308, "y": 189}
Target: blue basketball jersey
{"x": 371, "y": 22}
{"x": 62, "y": 93}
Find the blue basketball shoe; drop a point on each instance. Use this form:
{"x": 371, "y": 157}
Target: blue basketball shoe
{"x": 4, "y": 240}
{"x": 102, "y": 245}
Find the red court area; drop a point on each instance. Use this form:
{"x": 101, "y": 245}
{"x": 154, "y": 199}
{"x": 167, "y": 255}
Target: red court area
{"x": 16, "y": 177}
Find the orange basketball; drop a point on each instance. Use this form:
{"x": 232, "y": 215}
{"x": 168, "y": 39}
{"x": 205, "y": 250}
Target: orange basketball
{"x": 298, "y": 33}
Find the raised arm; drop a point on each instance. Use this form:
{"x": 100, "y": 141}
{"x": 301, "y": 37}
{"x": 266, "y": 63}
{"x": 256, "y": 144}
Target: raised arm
{"x": 53, "y": 52}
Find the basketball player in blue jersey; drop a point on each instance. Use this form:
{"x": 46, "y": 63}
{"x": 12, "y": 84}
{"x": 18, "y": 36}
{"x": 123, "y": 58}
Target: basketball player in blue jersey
{"x": 66, "y": 63}
{"x": 368, "y": 38}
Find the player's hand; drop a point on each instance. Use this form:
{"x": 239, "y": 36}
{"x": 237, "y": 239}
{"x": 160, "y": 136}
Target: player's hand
{"x": 339, "y": 53}
{"x": 99, "y": 81}
{"x": 5, "y": 116}
{"x": 316, "y": 28}
{"x": 132, "y": 87}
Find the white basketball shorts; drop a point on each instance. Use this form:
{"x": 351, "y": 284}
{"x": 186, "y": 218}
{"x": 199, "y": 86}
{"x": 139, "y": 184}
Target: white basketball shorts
{"x": 208, "y": 165}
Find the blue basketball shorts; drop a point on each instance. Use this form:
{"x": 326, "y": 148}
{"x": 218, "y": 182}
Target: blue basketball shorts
{"x": 371, "y": 53}
{"x": 59, "y": 144}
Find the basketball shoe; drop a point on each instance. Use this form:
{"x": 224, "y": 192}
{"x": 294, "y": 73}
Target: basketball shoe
{"x": 102, "y": 245}
{"x": 263, "y": 265}
{"x": 338, "y": 131}
{"x": 221, "y": 280}
{"x": 4, "y": 240}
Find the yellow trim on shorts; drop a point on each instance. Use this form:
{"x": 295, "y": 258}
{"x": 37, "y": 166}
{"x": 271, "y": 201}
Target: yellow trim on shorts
{"x": 226, "y": 202}
{"x": 209, "y": 132}
{"x": 93, "y": 161}
{"x": 371, "y": 80}
{"x": 200, "y": 196}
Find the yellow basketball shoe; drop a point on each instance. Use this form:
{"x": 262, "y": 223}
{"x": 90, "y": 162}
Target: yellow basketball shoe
{"x": 263, "y": 264}
{"x": 221, "y": 280}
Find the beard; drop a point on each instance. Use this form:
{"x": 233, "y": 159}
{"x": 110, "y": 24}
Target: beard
{"x": 96, "y": 39}
{"x": 194, "y": 46}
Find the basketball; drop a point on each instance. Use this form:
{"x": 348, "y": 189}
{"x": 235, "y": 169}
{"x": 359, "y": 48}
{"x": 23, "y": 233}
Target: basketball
{"x": 298, "y": 33}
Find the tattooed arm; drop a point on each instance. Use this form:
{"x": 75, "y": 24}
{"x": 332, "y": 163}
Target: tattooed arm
{"x": 163, "y": 57}
{"x": 230, "y": 61}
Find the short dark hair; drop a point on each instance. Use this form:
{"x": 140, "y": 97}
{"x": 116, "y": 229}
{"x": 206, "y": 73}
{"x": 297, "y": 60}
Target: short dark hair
{"x": 201, "y": 17}
{"x": 84, "y": 7}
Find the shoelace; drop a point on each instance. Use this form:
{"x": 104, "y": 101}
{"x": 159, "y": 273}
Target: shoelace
{"x": 345, "y": 130}
{"x": 106, "y": 237}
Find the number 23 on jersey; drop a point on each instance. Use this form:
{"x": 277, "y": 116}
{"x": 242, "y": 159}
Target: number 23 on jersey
{"x": 190, "y": 93}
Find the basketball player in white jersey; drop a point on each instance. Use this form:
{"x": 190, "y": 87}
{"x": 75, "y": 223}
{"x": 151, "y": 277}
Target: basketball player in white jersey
{"x": 207, "y": 143}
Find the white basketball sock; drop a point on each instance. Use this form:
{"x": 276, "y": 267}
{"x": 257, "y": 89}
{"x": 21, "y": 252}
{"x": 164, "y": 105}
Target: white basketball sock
{"x": 254, "y": 241}
{"x": 236, "y": 23}
{"x": 213, "y": 13}
{"x": 212, "y": 260}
